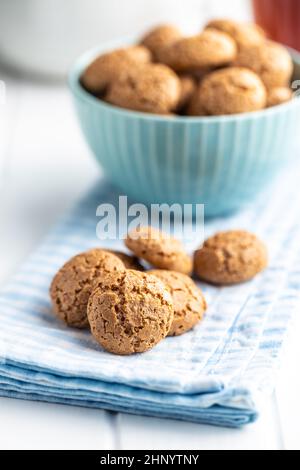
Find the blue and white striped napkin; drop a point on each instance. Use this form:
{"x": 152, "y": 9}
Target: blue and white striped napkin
{"x": 215, "y": 374}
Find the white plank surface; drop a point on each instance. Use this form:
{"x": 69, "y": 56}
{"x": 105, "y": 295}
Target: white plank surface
{"x": 45, "y": 165}
{"x": 288, "y": 390}
{"x": 41, "y": 426}
{"x": 136, "y": 432}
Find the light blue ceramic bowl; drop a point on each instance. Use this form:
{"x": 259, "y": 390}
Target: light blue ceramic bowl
{"x": 223, "y": 162}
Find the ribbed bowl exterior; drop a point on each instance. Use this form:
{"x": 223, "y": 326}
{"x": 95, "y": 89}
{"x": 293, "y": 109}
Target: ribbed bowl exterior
{"x": 222, "y": 162}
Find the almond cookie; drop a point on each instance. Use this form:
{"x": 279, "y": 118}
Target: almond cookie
{"x": 208, "y": 49}
{"x": 188, "y": 300}
{"x": 151, "y": 88}
{"x": 244, "y": 34}
{"x": 229, "y": 91}
{"x": 158, "y": 249}
{"x": 130, "y": 312}
{"x": 278, "y": 95}
{"x": 195, "y": 106}
{"x": 270, "y": 60}
{"x": 74, "y": 282}
{"x": 107, "y": 67}
{"x": 160, "y": 37}
{"x": 188, "y": 88}
{"x": 130, "y": 262}
{"x": 230, "y": 258}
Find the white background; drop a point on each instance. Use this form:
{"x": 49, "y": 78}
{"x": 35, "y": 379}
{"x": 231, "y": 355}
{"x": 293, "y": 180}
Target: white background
{"x": 44, "y": 167}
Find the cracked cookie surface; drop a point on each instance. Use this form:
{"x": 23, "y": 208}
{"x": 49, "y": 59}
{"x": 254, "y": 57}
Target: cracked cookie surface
{"x": 109, "y": 66}
{"x": 158, "y": 249}
{"x": 130, "y": 312}
{"x": 188, "y": 300}
{"x": 211, "y": 48}
{"x": 270, "y": 60}
{"x": 230, "y": 258}
{"x": 152, "y": 88}
{"x": 159, "y": 37}
{"x": 244, "y": 34}
{"x": 74, "y": 282}
{"x": 231, "y": 90}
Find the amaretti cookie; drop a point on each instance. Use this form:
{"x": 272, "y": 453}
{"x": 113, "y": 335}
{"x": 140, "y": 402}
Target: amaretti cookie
{"x": 211, "y": 48}
{"x": 74, "y": 282}
{"x": 160, "y": 37}
{"x": 107, "y": 67}
{"x": 151, "y": 88}
{"x": 159, "y": 249}
{"x": 130, "y": 262}
{"x": 163, "y": 74}
{"x": 130, "y": 312}
{"x": 278, "y": 95}
{"x": 230, "y": 258}
{"x": 244, "y": 34}
{"x": 228, "y": 91}
{"x": 270, "y": 60}
{"x": 188, "y": 87}
{"x": 195, "y": 107}
{"x": 188, "y": 300}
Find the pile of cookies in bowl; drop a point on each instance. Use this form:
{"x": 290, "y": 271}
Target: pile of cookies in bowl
{"x": 131, "y": 306}
{"x": 228, "y": 68}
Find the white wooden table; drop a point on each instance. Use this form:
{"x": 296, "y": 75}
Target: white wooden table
{"x": 44, "y": 166}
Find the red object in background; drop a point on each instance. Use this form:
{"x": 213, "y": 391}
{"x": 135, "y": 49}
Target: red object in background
{"x": 280, "y": 19}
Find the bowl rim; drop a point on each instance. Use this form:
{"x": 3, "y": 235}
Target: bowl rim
{"x": 86, "y": 58}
